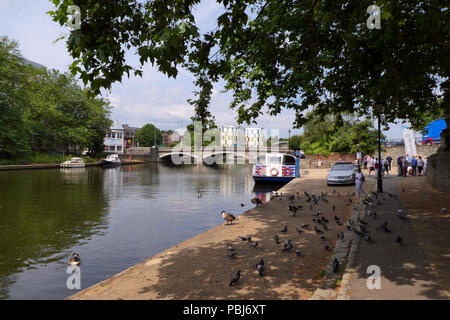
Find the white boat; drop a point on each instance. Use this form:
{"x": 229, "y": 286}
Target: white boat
{"x": 274, "y": 167}
{"x": 112, "y": 160}
{"x": 73, "y": 163}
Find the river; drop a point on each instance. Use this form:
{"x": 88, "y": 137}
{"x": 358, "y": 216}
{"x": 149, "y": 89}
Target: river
{"x": 113, "y": 218}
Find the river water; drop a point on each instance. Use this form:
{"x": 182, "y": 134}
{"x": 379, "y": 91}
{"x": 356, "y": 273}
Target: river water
{"x": 113, "y": 218}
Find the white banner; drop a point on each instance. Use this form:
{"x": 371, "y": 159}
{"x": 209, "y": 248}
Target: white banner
{"x": 410, "y": 143}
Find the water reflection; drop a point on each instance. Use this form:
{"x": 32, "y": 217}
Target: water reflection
{"x": 114, "y": 218}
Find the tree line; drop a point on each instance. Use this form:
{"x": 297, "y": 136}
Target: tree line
{"x": 45, "y": 110}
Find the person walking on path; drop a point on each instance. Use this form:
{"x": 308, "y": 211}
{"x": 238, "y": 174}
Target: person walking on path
{"x": 420, "y": 164}
{"x": 371, "y": 164}
{"x": 400, "y": 165}
{"x": 386, "y": 166}
{"x": 359, "y": 181}
{"x": 425, "y": 164}
{"x": 365, "y": 161}
{"x": 414, "y": 166}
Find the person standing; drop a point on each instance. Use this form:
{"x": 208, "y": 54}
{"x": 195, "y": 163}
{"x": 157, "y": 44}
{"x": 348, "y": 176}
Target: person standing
{"x": 371, "y": 164}
{"x": 414, "y": 166}
{"x": 365, "y": 161}
{"x": 386, "y": 166}
{"x": 359, "y": 181}
{"x": 389, "y": 159}
{"x": 400, "y": 165}
{"x": 425, "y": 164}
{"x": 405, "y": 164}
{"x": 420, "y": 164}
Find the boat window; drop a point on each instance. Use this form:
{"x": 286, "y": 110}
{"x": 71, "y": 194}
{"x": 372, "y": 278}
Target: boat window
{"x": 275, "y": 159}
{"x": 289, "y": 160}
{"x": 261, "y": 160}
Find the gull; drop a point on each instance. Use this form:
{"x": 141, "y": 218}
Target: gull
{"x": 235, "y": 278}
{"x": 228, "y": 217}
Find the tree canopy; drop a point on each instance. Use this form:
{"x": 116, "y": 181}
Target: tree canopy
{"x": 148, "y": 135}
{"x": 277, "y": 54}
{"x": 45, "y": 110}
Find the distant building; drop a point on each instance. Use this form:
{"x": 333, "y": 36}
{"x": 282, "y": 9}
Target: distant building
{"x": 114, "y": 140}
{"x": 231, "y": 136}
{"x": 129, "y": 136}
{"x": 170, "y": 137}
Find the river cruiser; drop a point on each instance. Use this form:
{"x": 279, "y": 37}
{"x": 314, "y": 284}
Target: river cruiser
{"x": 274, "y": 167}
{"x": 111, "y": 160}
{"x": 73, "y": 163}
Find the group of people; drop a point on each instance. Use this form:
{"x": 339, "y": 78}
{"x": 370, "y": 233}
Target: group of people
{"x": 373, "y": 164}
{"x": 406, "y": 164}
{"x": 411, "y": 165}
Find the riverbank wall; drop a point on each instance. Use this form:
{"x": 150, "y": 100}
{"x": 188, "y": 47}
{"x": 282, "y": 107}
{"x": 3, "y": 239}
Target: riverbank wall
{"x": 56, "y": 165}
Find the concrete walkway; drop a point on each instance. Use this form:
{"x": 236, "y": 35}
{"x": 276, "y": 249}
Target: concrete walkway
{"x": 417, "y": 269}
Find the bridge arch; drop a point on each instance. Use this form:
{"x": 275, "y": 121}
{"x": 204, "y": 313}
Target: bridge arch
{"x": 180, "y": 158}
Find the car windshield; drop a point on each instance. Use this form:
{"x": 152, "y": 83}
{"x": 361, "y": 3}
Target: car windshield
{"x": 343, "y": 167}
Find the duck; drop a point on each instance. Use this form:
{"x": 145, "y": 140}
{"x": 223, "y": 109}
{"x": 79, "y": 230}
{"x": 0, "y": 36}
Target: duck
{"x": 75, "y": 259}
{"x": 228, "y": 217}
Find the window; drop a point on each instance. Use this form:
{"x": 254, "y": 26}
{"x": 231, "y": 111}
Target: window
{"x": 275, "y": 160}
{"x": 119, "y": 148}
{"x": 113, "y": 135}
{"x": 108, "y": 134}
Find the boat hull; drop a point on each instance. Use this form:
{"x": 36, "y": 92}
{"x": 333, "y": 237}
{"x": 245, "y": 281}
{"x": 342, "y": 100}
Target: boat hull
{"x": 271, "y": 179}
{"x": 110, "y": 164}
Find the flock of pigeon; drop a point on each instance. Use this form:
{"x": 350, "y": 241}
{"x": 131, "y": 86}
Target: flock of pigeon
{"x": 320, "y": 224}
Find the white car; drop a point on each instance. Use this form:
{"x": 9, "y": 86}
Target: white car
{"x": 342, "y": 173}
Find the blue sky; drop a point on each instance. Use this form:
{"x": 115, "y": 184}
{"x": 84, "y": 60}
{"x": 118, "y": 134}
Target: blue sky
{"x": 136, "y": 101}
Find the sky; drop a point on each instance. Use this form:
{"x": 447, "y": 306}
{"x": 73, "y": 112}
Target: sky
{"x": 136, "y": 101}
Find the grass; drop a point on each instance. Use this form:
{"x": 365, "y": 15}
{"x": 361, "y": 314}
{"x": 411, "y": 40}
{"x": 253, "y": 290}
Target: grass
{"x": 40, "y": 158}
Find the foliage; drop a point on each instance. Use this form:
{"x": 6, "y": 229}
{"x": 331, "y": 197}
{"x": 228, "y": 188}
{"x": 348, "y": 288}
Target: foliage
{"x": 278, "y": 54}
{"x": 336, "y": 135}
{"x": 45, "y": 110}
{"x": 147, "y": 135}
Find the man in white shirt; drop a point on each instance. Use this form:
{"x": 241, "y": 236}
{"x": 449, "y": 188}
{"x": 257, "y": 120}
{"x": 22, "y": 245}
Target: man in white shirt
{"x": 359, "y": 180}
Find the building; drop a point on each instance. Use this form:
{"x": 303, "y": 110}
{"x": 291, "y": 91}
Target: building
{"x": 129, "y": 136}
{"x": 231, "y": 136}
{"x": 114, "y": 140}
{"x": 254, "y": 137}
{"x": 170, "y": 137}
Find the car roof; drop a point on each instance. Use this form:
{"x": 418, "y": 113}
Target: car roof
{"x": 347, "y": 162}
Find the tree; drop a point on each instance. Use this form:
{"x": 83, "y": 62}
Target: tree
{"x": 295, "y": 142}
{"x": 278, "y": 54}
{"x": 147, "y": 134}
{"x": 14, "y": 137}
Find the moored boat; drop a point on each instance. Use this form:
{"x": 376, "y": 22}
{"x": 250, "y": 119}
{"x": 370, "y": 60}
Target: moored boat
{"x": 73, "y": 163}
{"x": 111, "y": 160}
{"x": 274, "y": 167}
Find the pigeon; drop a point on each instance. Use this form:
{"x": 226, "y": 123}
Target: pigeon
{"x": 305, "y": 225}
{"x": 323, "y": 238}
{"x": 372, "y": 214}
{"x": 231, "y": 255}
{"x": 292, "y": 197}
{"x": 317, "y": 213}
{"x": 399, "y": 240}
{"x": 335, "y": 265}
{"x": 298, "y": 230}
{"x": 260, "y": 267}
{"x": 340, "y": 235}
{"x": 284, "y": 229}
{"x": 230, "y": 247}
{"x": 287, "y": 246}
{"x": 74, "y": 259}
{"x": 368, "y": 237}
{"x": 317, "y": 230}
{"x": 384, "y": 227}
{"x": 293, "y": 209}
{"x": 390, "y": 194}
{"x": 235, "y": 278}
{"x": 338, "y": 221}
{"x": 444, "y": 210}
{"x": 255, "y": 244}
{"x": 333, "y": 207}
{"x": 249, "y": 238}
{"x": 243, "y": 238}
{"x": 256, "y": 201}
{"x": 325, "y": 220}
{"x": 362, "y": 221}
{"x": 326, "y": 247}
{"x": 277, "y": 239}
{"x": 228, "y": 217}
{"x": 298, "y": 253}
{"x": 306, "y": 194}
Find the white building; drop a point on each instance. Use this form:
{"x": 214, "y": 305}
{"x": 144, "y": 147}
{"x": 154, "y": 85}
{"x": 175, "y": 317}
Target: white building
{"x": 231, "y": 136}
{"x": 114, "y": 140}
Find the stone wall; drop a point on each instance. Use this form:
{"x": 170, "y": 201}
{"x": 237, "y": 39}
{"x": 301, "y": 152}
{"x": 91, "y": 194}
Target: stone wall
{"x": 438, "y": 171}
{"x": 396, "y": 151}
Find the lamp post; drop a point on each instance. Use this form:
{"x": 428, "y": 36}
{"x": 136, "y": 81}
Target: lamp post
{"x": 379, "y": 177}
{"x": 289, "y": 140}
